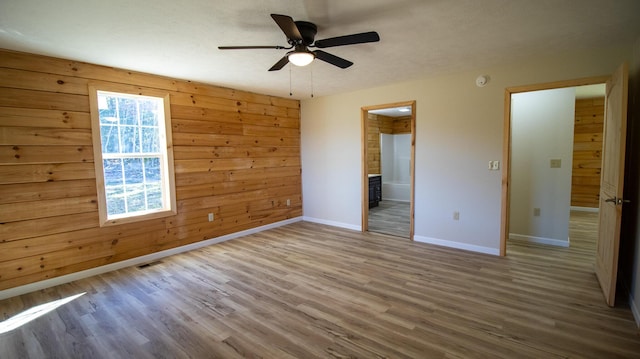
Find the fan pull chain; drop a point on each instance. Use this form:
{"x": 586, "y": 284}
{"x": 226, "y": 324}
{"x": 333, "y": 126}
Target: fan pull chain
{"x": 290, "y": 91}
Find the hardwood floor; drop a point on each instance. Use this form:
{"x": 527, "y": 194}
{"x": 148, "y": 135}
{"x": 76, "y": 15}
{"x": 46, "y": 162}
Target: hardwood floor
{"x": 390, "y": 217}
{"x": 307, "y": 290}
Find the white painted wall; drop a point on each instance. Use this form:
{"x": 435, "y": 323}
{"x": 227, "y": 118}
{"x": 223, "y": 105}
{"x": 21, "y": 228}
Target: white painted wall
{"x": 541, "y": 130}
{"x": 458, "y": 130}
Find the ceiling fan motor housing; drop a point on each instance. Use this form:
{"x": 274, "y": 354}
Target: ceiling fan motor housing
{"x": 308, "y": 31}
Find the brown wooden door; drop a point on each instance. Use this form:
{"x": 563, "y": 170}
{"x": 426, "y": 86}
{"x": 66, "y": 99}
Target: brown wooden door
{"x": 612, "y": 182}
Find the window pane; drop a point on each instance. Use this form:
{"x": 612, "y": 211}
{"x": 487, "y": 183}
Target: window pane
{"x": 107, "y": 108}
{"x": 130, "y": 139}
{"x": 133, "y": 171}
{"x": 110, "y": 140}
{"x": 152, "y": 169}
{"x": 135, "y": 198}
{"x": 127, "y": 111}
{"x": 154, "y": 195}
{"x": 149, "y": 112}
{"x": 150, "y": 140}
{"x": 113, "y": 172}
{"x": 115, "y": 200}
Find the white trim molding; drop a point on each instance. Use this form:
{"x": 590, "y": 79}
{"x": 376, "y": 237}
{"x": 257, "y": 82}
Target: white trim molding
{"x": 539, "y": 240}
{"x": 585, "y": 209}
{"x": 457, "y": 245}
{"x": 333, "y": 223}
{"x": 32, "y": 287}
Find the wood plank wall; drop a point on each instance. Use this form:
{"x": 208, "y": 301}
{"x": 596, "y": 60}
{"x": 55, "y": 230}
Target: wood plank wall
{"x": 237, "y": 154}
{"x": 587, "y": 151}
{"x": 382, "y": 124}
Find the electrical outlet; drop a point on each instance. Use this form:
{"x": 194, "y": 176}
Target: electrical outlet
{"x": 288, "y": 202}
{"x": 555, "y": 163}
{"x": 456, "y": 216}
{"x": 210, "y": 217}
{"x": 536, "y": 212}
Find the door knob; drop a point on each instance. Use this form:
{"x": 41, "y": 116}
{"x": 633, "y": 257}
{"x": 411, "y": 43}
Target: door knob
{"x": 617, "y": 201}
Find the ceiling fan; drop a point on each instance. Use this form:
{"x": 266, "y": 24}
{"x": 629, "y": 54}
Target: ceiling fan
{"x": 301, "y": 36}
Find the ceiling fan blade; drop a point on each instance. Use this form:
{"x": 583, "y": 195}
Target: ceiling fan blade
{"x": 288, "y": 26}
{"x": 249, "y": 47}
{"x": 332, "y": 59}
{"x": 280, "y": 64}
{"x": 360, "y": 38}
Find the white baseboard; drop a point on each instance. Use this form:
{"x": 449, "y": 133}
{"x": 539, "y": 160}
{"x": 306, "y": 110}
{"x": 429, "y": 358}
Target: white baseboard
{"x": 635, "y": 310}
{"x": 332, "y": 223}
{"x": 395, "y": 200}
{"x": 457, "y": 245}
{"x": 12, "y": 292}
{"x": 539, "y": 240}
{"x": 585, "y": 209}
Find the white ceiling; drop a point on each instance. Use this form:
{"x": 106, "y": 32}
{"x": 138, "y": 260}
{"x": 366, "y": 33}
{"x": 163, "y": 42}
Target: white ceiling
{"x": 419, "y": 38}
{"x": 393, "y": 112}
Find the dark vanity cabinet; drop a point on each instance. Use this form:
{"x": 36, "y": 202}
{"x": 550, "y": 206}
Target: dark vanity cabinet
{"x": 375, "y": 190}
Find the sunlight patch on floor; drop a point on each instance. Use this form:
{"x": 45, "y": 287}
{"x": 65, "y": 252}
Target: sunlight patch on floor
{"x": 28, "y": 315}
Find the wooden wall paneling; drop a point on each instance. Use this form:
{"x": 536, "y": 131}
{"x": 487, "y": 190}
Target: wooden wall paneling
{"x": 373, "y": 144}
{"x": 11, "y": 231}
{"x": 26, "y": 117}
{"x": 233, "y": 116}
{"x": 59, "y": 241}
{"x": 204, "y": 152}
{"x": 203, "y": 139}
{"x": 39, "y": 81}
{"x": 10, "y": 97}
{"x": 587, "y": 152}
{"x": 402, "y": 125}
{"x": 44, "y": 136}
{"x": 386, "y": 124}
{"x": 199, "y": 126}
{"x": 237, "y": 154}
{"x": 45, "y": 154}
{"x": 25, "y": 192}
{"x": 208, "y": 189}
{"x": 46, "y": 172}
{"x": 47, "y": 208}
{"x": 44, "y": 64}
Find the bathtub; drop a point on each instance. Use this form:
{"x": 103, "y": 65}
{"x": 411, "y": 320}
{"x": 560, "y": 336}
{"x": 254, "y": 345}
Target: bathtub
{"x": 395, "y": 191}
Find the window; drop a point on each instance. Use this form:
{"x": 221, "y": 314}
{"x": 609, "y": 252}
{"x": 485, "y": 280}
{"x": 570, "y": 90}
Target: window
{"x": 132, "y": 154}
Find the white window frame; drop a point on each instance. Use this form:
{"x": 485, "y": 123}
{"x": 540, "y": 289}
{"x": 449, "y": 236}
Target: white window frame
{"x": 167, "y": 164}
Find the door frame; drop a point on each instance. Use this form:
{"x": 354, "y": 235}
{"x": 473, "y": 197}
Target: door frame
{"x": 506, "y": 142}
{"x": 364, "y": 116}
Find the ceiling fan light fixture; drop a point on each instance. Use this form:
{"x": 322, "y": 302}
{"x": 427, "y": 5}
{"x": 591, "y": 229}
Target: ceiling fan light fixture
{"x": 301, "y": 58}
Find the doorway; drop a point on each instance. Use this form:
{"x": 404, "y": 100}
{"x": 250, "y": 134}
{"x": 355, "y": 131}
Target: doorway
{"x": 548, "y": 162}
{"x": 388, "y": 153}
{"x": 556, "y": 148}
